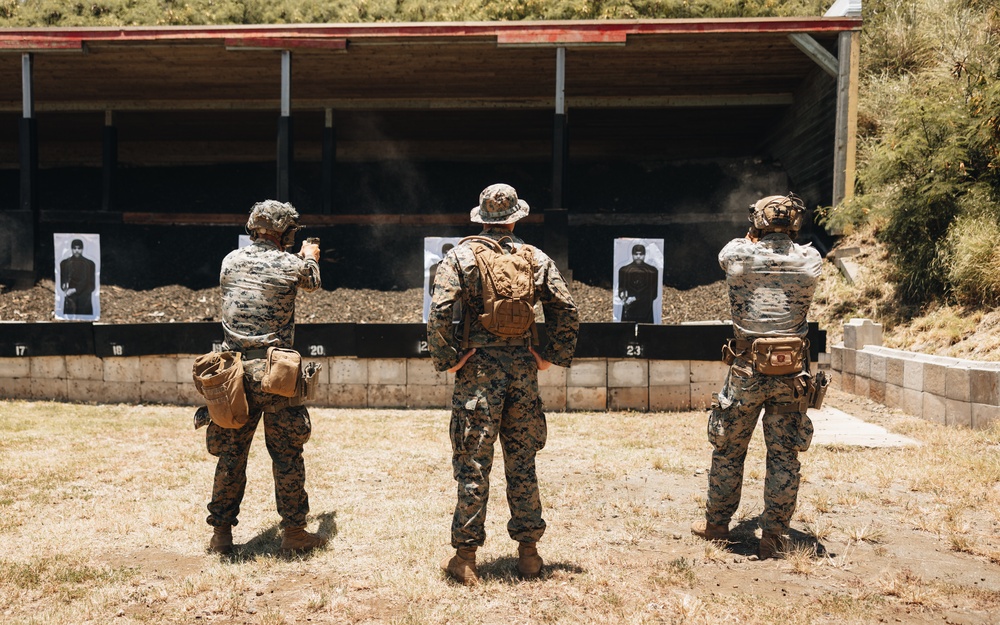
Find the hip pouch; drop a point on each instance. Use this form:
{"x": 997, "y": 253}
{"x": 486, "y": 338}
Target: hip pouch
{"x": 778, "y": 356}
{"x": 218, "y": 376}
{"x": 282, "y": 372}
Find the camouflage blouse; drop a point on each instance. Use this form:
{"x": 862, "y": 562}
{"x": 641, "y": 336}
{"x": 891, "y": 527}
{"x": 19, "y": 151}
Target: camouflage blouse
{"x": 771, "y": 284}
{"x": 457, "y": 280}
{"x": 259, "y": 284}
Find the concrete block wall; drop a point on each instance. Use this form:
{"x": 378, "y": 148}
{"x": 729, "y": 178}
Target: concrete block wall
{"x": 591, "y": 384}
{"x": 950, "y": 391}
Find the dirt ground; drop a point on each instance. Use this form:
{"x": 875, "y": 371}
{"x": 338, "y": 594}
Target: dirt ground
{"x": 103, "y": 522}
{"x": 176, "y": 303}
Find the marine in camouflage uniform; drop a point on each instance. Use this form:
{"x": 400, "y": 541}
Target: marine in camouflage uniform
{"x": 259, "y": 286}
{"x": 771, "y": 282}
{"x": 496, "y": 387}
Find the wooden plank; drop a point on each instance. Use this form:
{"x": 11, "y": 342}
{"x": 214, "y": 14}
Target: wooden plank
{"x": 815, "y": 52}
{"x": 285, "y": 43}
{"x": 847, "y": 118}
{"x": 560, "y": 37}
{"x": 232, "y": 219}
{"x": 413, "y": 104}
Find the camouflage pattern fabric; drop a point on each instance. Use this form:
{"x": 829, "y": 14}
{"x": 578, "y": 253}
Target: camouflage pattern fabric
{"x": 457, "y": 280}
{"x": 496, "y": 392}
{"x": 771, "y": 284}
{"x": 730, "y": 426}
{"x": 259, "y": 285}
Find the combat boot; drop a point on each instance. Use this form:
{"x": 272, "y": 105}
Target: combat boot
{"x": 710, "y": 531}
{"x": 298, "y": 540}
{"x": 529, "y": 563}
{"x": 222, "y": 540}
{"x": 462, "y": 566}
{"x": 771, "y": 544}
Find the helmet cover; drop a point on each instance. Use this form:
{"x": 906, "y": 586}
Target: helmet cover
{"x": 778, "y": 213}
{"x": 273, "y": 216}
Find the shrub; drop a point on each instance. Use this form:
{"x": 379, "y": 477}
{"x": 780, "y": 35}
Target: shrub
{"x": 972, "y": 253}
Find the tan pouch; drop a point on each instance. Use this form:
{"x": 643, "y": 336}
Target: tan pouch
{"x": 218, "y": 376}
{"x": 282, "y": 372}
{"x": 777, "y": 356}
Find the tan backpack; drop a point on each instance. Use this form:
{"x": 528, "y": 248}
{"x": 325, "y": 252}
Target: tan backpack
{"x": 508, "y": 287}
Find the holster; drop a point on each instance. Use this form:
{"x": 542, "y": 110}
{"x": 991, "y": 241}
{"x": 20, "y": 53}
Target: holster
{"x": 308, "y": 384}
{"x": 218, "y": 376}
{"x": 282, "y": 372}
{"x": 817, "y": 389}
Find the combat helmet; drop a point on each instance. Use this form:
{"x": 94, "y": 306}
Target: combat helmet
{"x": 778, "y": 213}
{"x": 278, "y": 218}
{"x": 273, "y": 216}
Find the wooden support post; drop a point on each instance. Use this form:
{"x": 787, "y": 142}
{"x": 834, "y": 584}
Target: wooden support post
{"x": 28, "y": 138}
{"x": 25, "y": 248}
{"x": 847, "y": 116}
{"x": 285, "y": 142}
{"x": 329, "y": 162}
{"x": 109, "y": 162}
{"x": 555, "y": 235}
{"x": 560, "y": 141}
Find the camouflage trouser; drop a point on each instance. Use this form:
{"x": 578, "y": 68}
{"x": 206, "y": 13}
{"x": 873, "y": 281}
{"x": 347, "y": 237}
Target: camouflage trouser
{"x": 730, "y": 426}
{"x": 496, "y": 393}
{"x": 286, "y": 430}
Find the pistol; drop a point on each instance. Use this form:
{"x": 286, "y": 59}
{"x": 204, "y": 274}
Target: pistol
{"x": 312, "y": 240}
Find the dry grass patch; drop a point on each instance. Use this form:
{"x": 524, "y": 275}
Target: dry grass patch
{"x": 102, "y": 519}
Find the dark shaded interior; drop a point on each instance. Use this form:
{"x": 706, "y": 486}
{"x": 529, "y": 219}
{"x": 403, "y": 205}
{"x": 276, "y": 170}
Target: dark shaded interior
{"x": 669, "y": 136}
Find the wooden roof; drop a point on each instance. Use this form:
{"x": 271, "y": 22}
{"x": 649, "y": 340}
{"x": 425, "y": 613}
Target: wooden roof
{"x": 640, "y": 63}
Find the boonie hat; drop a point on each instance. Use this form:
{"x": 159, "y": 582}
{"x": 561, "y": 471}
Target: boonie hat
{"x": 498, "y": 204}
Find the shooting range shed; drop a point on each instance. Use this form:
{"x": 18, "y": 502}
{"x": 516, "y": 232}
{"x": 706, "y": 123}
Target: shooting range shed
{"x": 161, "y": 138}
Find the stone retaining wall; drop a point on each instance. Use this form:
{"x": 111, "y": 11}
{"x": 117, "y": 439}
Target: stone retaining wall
{"x": 946, "y": 390}
{"x": 590, "y": 384}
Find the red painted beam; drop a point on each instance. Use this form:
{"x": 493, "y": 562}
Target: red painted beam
{"x": 287, "y": 43}
{"x": 582, "y": 31}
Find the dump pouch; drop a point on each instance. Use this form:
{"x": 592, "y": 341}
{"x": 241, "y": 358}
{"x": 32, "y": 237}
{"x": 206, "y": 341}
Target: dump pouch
{"x": 282, "y": 372}
{"x": 778, "y": 355}
{"x": 817, "y": 389}
{"x": 218, "y": 376}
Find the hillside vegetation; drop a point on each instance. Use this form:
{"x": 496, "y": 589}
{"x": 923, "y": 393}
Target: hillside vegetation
{"x": 926, "y": 212}
{"x": 927, "y": 207}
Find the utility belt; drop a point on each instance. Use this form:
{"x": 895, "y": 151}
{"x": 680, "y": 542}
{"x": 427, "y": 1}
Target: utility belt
{"x": 218, "y": 376}
{"x": 780, "y": 356}
{"x": 777, "y": 355}
{"x": 522, "y": 342}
